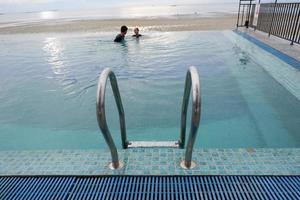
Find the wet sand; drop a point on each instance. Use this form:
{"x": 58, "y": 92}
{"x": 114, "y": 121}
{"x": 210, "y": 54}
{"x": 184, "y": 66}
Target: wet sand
{"x": 146, "y": 24}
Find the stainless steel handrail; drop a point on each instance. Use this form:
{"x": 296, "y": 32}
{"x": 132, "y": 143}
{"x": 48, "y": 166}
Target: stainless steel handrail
{"x": 191, "y": 82}
{"x": 101, "y": 117}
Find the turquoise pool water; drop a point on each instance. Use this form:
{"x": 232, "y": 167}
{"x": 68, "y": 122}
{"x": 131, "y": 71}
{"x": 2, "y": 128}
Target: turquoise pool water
{"x": 48, "y": 91}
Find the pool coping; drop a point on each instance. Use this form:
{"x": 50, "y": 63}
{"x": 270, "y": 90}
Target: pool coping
{"x": 277, "y": 53}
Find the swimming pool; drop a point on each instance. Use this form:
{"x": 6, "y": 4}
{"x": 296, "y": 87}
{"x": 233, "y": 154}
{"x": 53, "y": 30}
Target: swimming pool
{"x": 48, "y": 90}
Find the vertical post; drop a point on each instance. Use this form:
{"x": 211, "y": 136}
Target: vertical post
{"x": 272, "y": 18}
{"x": 257, "y": 16}
{"x": 295, "y": 31}
{"x": 238, "y": 19}
{"x": 248, "y": 17}
{"x": 243, "y": 13}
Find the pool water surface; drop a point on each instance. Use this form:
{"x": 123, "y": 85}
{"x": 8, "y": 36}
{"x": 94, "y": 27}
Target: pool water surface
{"x": 48, "y": 90}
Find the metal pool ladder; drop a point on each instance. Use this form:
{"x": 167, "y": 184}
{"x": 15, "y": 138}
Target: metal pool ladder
{"x": 191, "y": 83}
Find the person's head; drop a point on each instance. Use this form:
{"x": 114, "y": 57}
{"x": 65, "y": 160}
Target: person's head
{"x": 124, "y": 30}
{"x": 136, "y": 31}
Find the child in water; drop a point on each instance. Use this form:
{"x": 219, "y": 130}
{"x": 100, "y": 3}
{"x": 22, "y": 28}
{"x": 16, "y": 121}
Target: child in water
{"x": 136, "y": 33}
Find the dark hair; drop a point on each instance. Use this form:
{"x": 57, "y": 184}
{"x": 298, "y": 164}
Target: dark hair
{"x": 124, "y": 29}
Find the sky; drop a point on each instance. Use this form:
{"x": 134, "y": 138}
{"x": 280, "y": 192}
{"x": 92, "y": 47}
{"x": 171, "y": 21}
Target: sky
{"x": 8, "y": 6}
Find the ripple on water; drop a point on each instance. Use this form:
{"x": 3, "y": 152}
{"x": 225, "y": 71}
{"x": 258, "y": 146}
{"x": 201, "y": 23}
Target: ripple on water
{"x": 51, "y": 81}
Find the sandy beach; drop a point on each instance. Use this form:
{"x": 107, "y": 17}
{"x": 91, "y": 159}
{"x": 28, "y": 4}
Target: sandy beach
{"x": 146, "y": 24}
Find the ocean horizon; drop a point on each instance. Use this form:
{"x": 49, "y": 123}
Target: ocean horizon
{"x": 124, "y": 12}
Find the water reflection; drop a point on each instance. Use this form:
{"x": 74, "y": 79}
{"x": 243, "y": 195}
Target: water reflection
{"x": 123, "y": 49}
{"x": 72, "y": 82}
{"x": 54, "y": 48}
{"x": 47, "y": 15}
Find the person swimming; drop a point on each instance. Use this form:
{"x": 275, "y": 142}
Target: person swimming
{"x": 121, "y": 36}
{"x": 136, "y": 33}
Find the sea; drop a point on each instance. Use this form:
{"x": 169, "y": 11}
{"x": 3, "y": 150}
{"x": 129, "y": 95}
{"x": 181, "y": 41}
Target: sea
{"x": 125, "y": 12}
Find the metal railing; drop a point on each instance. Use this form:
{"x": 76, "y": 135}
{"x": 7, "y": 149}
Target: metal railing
{"x": 278, "y": 19}
{"x": 101, "y": 117}
{"x": 191, "y": 83}
{"x": 244, "y": 13}
{"x": 281, "y": 20}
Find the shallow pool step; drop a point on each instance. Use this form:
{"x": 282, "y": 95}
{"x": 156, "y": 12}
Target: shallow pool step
{"x": 151, "y": 187}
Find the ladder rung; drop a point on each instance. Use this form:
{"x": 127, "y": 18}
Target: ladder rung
{"x": 145, "y": 144}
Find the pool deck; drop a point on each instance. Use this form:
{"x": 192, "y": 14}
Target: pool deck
{"x": 149, "y": 161}
{"x": 277, "y": 43}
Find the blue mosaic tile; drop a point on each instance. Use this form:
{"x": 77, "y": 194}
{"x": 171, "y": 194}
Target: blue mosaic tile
{"x": 152, "y": 162}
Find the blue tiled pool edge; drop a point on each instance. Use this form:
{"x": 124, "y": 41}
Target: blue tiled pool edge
{"x": 152, "y": 162}
{"x": 282, "y": 56}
